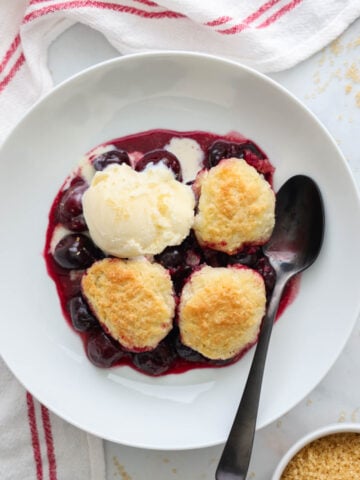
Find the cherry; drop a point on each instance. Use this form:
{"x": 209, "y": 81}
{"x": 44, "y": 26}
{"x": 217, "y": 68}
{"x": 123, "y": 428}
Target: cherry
{"x": 69, "y": 282}
{"x": 179, "y": 278}
{"x": 157, "y": 361}
{"x": 246, "y": 257}
{"x": 193, "y": 258}
{"x": 193, "y": 253}
{"x": 70, "y": 210}
{"x": 102, "y": 350}
{"x": 215, "y": 258}
{"x": 266, "y": 270}
{"x": 156, "y": 156}
{"x": 76, "y": 251}
{"x": 188, "y": 253}
{"x": 81, "y": 317}
{"x": 223, "y": 149}
{"x": 113, "y": 156}
{"x": 193, "y": 356}
{"x": 171, "y": 257}
{"x": 187, "y": 353}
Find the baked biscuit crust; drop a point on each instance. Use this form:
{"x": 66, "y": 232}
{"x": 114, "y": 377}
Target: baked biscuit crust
{"x": 220, "y": 310}
{"x": 236, "y": 207}
{"x": 132, "y": 299}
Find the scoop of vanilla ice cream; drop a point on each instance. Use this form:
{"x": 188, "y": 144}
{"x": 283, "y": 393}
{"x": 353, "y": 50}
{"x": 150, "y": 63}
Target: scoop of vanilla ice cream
{"x": 131, "y": 213}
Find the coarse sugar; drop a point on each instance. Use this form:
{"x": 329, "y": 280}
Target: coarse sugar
{"x": 332, "y": 457}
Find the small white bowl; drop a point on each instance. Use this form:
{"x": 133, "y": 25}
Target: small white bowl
{"x": 310, "y": 437}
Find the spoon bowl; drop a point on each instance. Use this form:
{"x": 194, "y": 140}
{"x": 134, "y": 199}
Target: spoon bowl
{"x": 294, "y": 246}
{"x": 298, "y": 233}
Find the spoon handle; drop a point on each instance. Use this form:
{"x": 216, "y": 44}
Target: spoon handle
{"x": 235, "y": 459}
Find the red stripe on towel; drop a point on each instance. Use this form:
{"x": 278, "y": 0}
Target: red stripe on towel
{"x": 116, "y": 7}
{"x": 218, "y": 21}
{"x": 49, "y": 442}
{"x": 33, "y": 2}
{"x": 10, "y": 52}
{"x": 34, "y": 436}
{"x": 285, "y": 9}
{"x": 147, "y": 2}
{"x": 250, "y": 18}
{"x": 17, "y": 65}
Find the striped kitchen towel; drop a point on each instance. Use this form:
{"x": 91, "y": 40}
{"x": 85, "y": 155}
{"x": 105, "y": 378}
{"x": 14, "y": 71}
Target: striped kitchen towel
{"x": 37, "y": 445}
{"x": 268, "y": 35}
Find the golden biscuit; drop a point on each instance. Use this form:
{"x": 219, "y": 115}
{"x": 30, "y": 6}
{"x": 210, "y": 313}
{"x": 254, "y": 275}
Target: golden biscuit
{"x": 220, "y": 310}
{"x": 236, "y": 207}
{"x": 132, "y": 299}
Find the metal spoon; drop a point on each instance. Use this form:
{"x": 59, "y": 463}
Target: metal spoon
{"x": 294, "y": 245}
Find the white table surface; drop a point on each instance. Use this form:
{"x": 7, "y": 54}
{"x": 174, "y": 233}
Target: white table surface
{"x": 329, "y": 84}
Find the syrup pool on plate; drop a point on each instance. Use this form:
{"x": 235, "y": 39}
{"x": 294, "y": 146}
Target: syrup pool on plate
{"x": 69, "y": 250}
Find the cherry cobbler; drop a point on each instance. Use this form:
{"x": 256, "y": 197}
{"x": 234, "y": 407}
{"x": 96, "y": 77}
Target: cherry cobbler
{"x": 155, "y": 242}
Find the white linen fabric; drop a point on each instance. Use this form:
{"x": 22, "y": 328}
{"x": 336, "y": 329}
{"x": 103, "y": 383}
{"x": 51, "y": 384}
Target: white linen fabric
{"x": 37, "y": 445}
{"x": 268, "y": 35}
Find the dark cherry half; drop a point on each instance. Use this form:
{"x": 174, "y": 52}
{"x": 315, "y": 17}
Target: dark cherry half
{"x": 70, "y": 210}
{"x": 223, "y": 149}
{"x": 117, "y": 156}
{"x": 171, "y": 257}
{"x": 157, "y": 361}
{"x": 190, "y": 355}
{"x": 179, "y": 277}
{"x": 156, "y": 156}
{"x": 248, "y": 257}
{"x": 82, "y": 319}
{"x": 102, "y": 350}
{"x": 76, "y": 251}
{"x": 251, "y": 153}
{"x": 187, "y": 353}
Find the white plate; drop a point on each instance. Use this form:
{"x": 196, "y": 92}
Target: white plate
{"x": 179, "y": 91}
